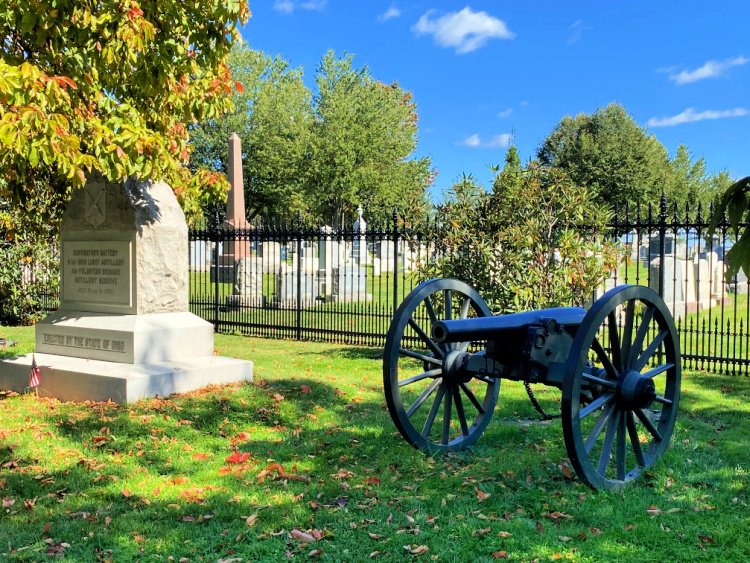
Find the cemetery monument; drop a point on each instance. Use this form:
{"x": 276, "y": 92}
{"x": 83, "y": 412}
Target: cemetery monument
{"x": 123, "y": 330}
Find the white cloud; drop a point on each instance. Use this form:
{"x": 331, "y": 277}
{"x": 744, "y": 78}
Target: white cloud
{"x": 465, "y": 31}
{"x": 710, "y": 69}
{"x": 288, "y": 6}
{"x": 505, "y": 113}
{"x": 389, "y": 14}
{"x": 315, "y": 5}
{"x": 501, "y": 141}
{"x": 284, "y": 6}
{"x": 691, "y": 116}
{"x": 576, "y": 31}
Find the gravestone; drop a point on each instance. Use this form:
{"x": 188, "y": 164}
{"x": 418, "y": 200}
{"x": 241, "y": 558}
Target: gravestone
{"x": 123, "y": 330}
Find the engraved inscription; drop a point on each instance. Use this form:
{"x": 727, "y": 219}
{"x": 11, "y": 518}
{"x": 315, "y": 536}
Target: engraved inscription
{"x": 96, "y": 203}
{"x": 97, "y": 272}
{"x": 103, "y": 344}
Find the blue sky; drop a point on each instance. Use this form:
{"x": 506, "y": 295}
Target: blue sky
{"x": 487, "y": 71}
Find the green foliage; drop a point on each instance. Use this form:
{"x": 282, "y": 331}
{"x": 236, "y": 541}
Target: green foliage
{"x": 691, "y": 184}
{"x": 536, "y": 241}
{"x": 108, "y": 86}
{"x": 320, "y": 156}
{"x": 608, "y": 153}
{"x": 29, "y": 275}
{"x": 272, "y": 116}
{"x": 363, "y": 135}
{"x": 736, "y": 204}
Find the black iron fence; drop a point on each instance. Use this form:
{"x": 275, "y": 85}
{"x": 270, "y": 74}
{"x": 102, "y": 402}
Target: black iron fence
{"x": 344, "y": 285}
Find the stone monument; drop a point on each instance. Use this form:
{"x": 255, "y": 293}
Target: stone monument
{"x": 233, "y": 249}
{"x": 123, "y": 330}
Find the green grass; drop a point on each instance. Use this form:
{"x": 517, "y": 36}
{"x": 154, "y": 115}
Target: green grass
{"x": 151, "y": 480}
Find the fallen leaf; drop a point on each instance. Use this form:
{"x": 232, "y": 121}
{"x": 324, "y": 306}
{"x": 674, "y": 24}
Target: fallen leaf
{"x": 237, "y": 457}
{"x": 481, "y": 495}
{"x": 8, "y": 502}
{"x": 277, "y": 397}
{"x": 252, "y": 519}
{"x": 504, "y": 534}
{"x": 564, "y": 539}
{"x": 372, "y": 481}
{"x": 416, "y": 549}
{"x": 302, "y": 536}
{"x": 305, "y": 389}
{"x": 539, "y": 527}
{"x": 315, "y": 553}
{"x": 567, "y": 473}
{"x": 653, "y": 510}
{"x": 500, "y": 555}
{"x": 374, "y": 554}
{"x": 126, "y": 493}
{"x": 481, "y": 532}
{"x": 375, "y": 536}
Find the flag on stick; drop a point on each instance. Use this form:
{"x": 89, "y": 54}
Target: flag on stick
{"x": 34, "y": 377}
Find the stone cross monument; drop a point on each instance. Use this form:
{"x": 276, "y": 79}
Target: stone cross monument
{"x": 123, "y": 330}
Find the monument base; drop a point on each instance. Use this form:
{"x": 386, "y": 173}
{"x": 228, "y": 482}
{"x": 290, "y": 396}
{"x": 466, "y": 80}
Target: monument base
{"x": 77, "y": 379}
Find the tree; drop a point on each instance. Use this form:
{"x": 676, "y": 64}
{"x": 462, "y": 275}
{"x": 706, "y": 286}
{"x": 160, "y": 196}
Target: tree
{"x": 537, "y": 240}
{"x": 608, "y": 153}
{"x": 272, "y": 116}
{"x": 735, "y": 202}
{"x": 692, "y": 184}
{"x": 109, "y": 86}
{"x": 363, "y": 137}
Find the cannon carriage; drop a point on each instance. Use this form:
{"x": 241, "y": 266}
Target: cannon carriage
{"x": 617, "y": 365}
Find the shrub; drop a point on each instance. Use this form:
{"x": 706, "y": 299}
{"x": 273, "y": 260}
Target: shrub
{"x": 537, "y": 240}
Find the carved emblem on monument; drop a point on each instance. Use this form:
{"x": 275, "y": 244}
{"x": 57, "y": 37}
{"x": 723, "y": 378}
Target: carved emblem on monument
{"x": 96, "y": 203}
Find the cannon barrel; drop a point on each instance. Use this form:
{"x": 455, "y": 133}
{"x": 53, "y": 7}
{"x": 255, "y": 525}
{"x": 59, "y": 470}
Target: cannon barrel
{"x": 485, "y": 328}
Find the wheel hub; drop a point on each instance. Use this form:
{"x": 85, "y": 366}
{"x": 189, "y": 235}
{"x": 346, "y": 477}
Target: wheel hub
{"x": 635, "y": 391}
{"x": 454, "y": 366}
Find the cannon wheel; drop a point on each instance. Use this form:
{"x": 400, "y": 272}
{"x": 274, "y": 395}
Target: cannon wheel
{"x": 430, "y": 411}
{"x": 621, "y": 387}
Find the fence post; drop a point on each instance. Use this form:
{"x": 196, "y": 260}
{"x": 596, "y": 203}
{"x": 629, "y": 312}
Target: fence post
{"x": 214, "y": 235}
{"x": 662, "y": 242}
{"x": 299, "y": 277}
{"x": 395, "y": 261}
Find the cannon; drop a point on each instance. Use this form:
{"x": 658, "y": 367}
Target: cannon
{"x": 616, "y": 364}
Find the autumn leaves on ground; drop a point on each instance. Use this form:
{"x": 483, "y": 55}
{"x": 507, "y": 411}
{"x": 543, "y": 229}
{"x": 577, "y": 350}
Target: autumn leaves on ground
{"x": 305, "y": 463}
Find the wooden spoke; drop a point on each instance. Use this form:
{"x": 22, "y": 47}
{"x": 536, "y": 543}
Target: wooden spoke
{"x": 657, "y": 370}
{"x": 448, "y": 304}
{"x": 420, "y": 377}
{"x": 426, "y": 339}
{"x": 601, "y": 353}
{"x": 598, "y": 427}
{"x": 662, "y": 400}
{"x": 635, "y": 441}
{"x": 464, "y": 311}
{"x": 470, "y": 394}
{"x": 609, "y": 439}
{"x": 641, "y": 334}
{"x": 614, "y": 341}
{"x": 627, "y": 334}
{"x": 460, "y": 412}
{"x": 430, "y": 310}
{"x": 599, "y": 380}
{"x": 595, "y": 404}
{"x": 620, "y": 454}
{"x": 447, "y": 414}
{"x": 433, "y": 411}
{"x": 423, "y": 397}
{"x": 645, "y": 418}
{"x": 421, "y": 357}
{"x": 643, "y": 359}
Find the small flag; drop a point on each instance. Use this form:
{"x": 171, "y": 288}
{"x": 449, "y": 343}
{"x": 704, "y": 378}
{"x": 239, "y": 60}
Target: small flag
{"x": 34, "y": 377}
